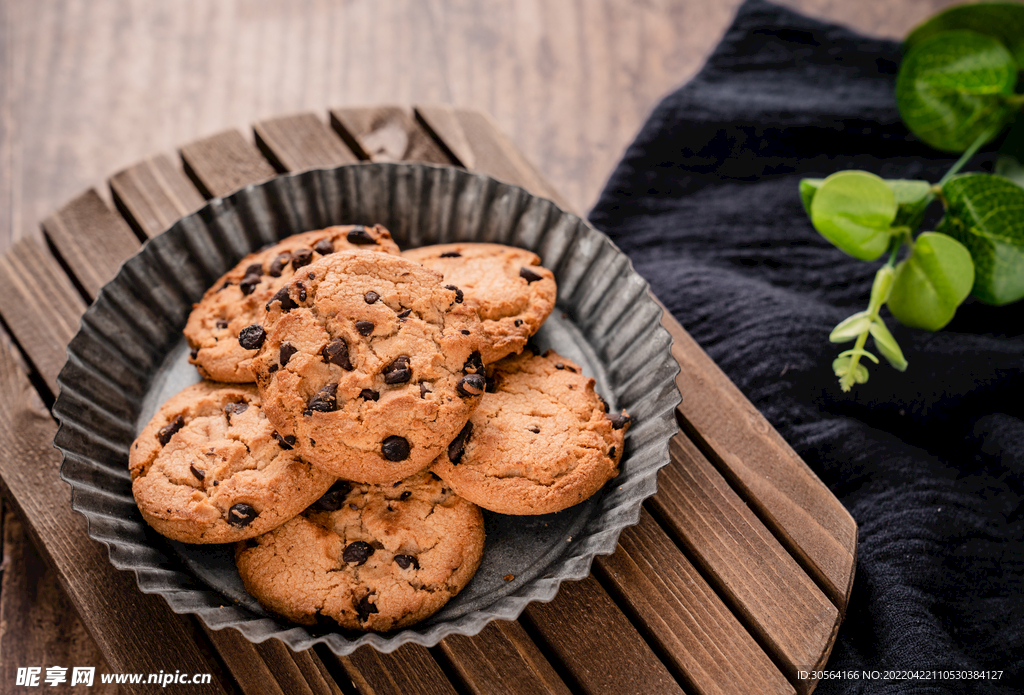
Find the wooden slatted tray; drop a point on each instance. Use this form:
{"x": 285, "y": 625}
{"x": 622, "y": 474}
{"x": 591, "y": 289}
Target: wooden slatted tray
{"x": 737, "y": 576}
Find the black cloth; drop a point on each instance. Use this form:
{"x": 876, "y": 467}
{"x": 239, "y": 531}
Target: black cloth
{"x": 929, "y": 462}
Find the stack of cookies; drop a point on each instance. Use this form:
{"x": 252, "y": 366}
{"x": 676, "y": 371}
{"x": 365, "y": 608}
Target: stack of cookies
{"x": 359, "y": 406}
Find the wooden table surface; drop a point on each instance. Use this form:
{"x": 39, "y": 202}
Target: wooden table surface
{"x": 89, "y": 88}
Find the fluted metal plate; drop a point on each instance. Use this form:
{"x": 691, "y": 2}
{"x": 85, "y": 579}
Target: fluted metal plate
{"x": 129, "y": 356}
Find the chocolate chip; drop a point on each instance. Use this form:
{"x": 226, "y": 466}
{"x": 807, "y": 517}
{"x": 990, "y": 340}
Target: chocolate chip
{"x": 167, "y": 431}
{"x": 222, "y": 324}
{"x": 474, "y": 365}
{"x": 458, "y": 446}
{"x": 399, "y": 371}
{"x": 227, "y": 284}
{"x": 402, "y": 315}
{"x": 471, "y": 385}
{"x": 302, "y": 291}
{"x": 252, "y": 337}
{"x": 357, "y": 552}
{"x": 465, "y": 332}
{"x": 242, "y": 515}
{"x": 277, "y": 265}
{"x": 518, "y": 323}
{"x": 395, "y": 448}
{"x": 251, "y": 543}
{"x": 336, "y": 352}
{"x": 365, "y": 608}
{"x": 326, "y": 400}
{"x": 619, "y": 420}
{"x": 301, "y": 257}
{"x": 334, "y": 498}
{"x": 273, "y": 368}
{"x": 559, "y": 366}
{"x": 451, "y": 254}
{"x": 287, "y": 350}
{"x": 611, "y": 453}
{"x": 235, "y": 408}
{"x": 197, "y": 472}
{"x": 528, "y": 275}
{"x": 194, "y": 353}
{"x": 406, "y": 561}
{"x": 254, "y": 269}
{"x": 424, "y": 390}
{"x": 604, "y": 404}
{"x": 459, "y": 296}
{"x": 405, "y": 495}
{"x": 287, "y": 303}
{"x": 369, "y": 395}
{"x": 364, "y": 327}
{"x": 360, "y": 237}
{"x": 371, "y": 297}
{"x": 311, "y": 276}
{"x": 534, "y": 429}
{"x": 324, "y": 247}
{"x": 492, "y": 385}
{"x": 249, "y": 283}
{"x": 286, "y": 443}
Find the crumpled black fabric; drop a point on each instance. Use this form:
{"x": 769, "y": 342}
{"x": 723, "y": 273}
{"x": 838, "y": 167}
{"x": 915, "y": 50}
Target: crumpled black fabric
{"x": 930, "y": 462}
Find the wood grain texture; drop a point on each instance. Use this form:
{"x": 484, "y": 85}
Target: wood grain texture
{"x": 786, "y": 493}
{"x": 478, "y": 144}
{"x": 135, "y": 632}
{"x": 91, "y": 239}
{"x": 34, "y": 286}
{"x": 763, "y": 585}
{"x": 502, "y": 660}
{"x": 596, "y": 644}
{"x": 38, "y": 624}
{"x": 695, "y": 631}
{"x": 409, "y": 670}
{"x": 154, "y": 194}
{"x": 387, "y": 134}
{"x": 300, "y": 142}
{"x": 221, "y": 164}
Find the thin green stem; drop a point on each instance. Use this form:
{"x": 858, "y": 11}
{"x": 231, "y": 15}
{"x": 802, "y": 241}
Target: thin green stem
{"x": 968, "y": 153}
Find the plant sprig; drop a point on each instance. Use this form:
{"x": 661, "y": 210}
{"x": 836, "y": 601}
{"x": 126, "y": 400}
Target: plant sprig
{"x": 955, "y": 91}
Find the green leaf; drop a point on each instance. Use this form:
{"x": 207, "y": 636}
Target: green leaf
{"x": 887, "y": 345}
{"x": 986, "y": 214}
{"x": 952, "y": 89}
{"x": 1009, "y": 168}
{"x": 912, "y": 197}
{"x": 854, "y": 210}
{"x": 808, "y": 187}
{"x": 1002, "y": 20}
{"x": 851, "y": 327}
{"x": 931, "y": 283}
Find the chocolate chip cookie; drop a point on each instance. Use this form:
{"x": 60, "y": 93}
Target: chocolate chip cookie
{"x": 540, "y": 441}
{"x": 238, "y": 298}
{"x": 369, "y": 557}
{"x": 367, "y": 360}
{"x": 210, "y": 468}
{"x": 506, "y": 286}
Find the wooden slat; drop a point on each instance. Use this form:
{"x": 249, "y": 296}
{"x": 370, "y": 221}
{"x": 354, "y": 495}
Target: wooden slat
{"x": 221, "y": 164}
{"x": 135, "y": 632}
{"x": 409, "y": 670}
{"x": 92, "y": 240}
{"x": 786, "y": 493}
{"x": 770, "y": 593}
{"x": 693, "y": 628}
{"x": 596, "y": 644}
{"x": 154, "y": 194}
{"x": 502, "y": 660}
{"x": 41, "y": 306}
{"x": 300, "y": 142}
{"x": 478, "y": 144}
{"x": 387, "y": 134}
{"x": 33, "y": 610}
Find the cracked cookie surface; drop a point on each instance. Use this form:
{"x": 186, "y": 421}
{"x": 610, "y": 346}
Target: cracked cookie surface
{"x": 210, "y": 468}
{"x": 239, "y": 296}
{"x": 540, "y": 441}
{"x": 363, "y": 358}
{"x": 506, "y": 287}
{"x": 371, "y": 557}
